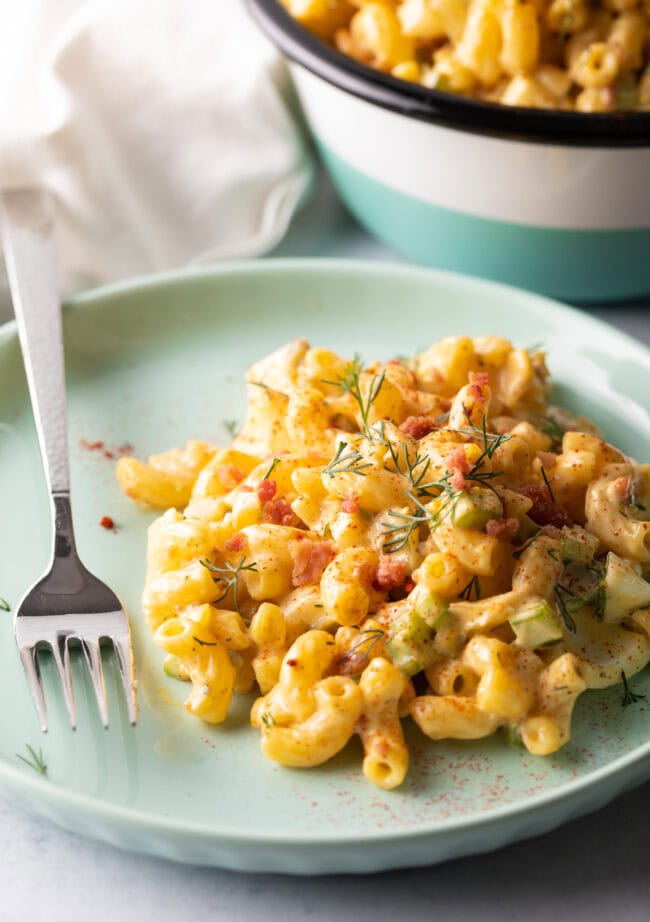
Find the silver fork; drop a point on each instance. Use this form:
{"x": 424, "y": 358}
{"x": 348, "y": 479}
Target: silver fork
{"x": 68, "y": 604}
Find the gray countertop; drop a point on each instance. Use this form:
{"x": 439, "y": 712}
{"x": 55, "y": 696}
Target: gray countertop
{"x": 592, "y": 869}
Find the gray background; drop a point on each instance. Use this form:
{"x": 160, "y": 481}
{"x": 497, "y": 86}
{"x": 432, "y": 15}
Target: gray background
{"x": 592, "y": 869}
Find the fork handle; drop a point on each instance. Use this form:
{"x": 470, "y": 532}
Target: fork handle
{"x": 26, "y": 224}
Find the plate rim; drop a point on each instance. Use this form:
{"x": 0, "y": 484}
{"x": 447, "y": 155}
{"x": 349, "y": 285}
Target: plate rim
{"x": 635, "y": 763}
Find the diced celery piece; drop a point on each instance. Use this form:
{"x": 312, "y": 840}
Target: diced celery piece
{"x": 527, "y": 529}
{"x": 625, "y": 590}
{"x": 428, "y": 606}
{"x": 410, "y": 636}
{"x": 536, "y": 624}
{"x": 173, "y": 667}
{"x": 578, "y": 544}
{"x": 475, "y": 509}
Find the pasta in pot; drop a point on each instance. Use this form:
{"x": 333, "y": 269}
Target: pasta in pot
{"x": 430, "y": 518}
{"x": 548, "y": 54}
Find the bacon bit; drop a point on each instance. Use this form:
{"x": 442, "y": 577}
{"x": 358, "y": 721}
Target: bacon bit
{"x": 108, "y": 454}
{"x": 107, "y": 522}
{"x": 416, "y": 427}
{"x": 547, "y": 458}
{"x": 279, "y": 512}
{"x": 409, "y": 585}
{"x": 125, "y": 449}
{"x": 235, "y": 543}
{"x": 389, "y": 573}
{"x": 353, "y": 664}
{"x": 622, "y": 487}
{"x": 350, "y": 503}
{"x": 544, "y": 511}
{"x": 91, "y": 446}
{"x": 505, "y": 529}
{"x": 458, "y": 466}
{"x": 477, "y": 381}
{"x": 551, "y": 532}
{"x": 266, "y": 490}
{"x": 309, "y": 560}
{"x": 230, "y": 475}
{"x": 292, "y": 662}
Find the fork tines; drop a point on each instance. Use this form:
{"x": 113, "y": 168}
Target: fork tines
{"x": 34, "y": 634}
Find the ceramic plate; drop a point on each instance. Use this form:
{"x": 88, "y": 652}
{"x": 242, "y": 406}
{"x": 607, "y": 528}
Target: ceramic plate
{"x": 156, "y": 362}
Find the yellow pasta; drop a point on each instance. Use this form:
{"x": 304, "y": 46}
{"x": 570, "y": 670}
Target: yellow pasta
{"x": 432, "y": 519}
{"x": 566, "y": 54}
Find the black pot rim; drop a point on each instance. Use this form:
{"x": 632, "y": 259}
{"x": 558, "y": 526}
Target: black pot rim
{"x": 613, "y": 129}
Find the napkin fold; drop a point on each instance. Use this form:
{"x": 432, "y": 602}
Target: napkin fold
{"x": 164, "y": 130}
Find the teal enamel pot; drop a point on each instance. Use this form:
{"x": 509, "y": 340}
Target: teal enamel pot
{"x": 553, "y": 201}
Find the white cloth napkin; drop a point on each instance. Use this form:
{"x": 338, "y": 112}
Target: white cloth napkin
{"x": 163, "y": 128}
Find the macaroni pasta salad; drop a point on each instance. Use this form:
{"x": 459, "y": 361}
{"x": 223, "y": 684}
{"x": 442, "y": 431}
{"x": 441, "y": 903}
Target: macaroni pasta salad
{"x": 425, "y": 537}
{"x": 587, "y": 55}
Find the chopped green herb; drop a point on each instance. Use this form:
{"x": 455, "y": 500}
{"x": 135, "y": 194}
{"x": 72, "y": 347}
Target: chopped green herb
{"x": 491, "y": 440}
{"x": 407, "y": 523}
{"x": 524, "y": 547}
{"x": 549, "y": 427}
{"x": 352, "y": 462}
{"x": 231, "y": 426}
{"x": 350, "y": 383}
{"x": 368, "y": 639}
{"x": 548, "y": 486}
{"x": 474, "y": 586}
{"x": 629, "y": 697}
{"x": 272, "y": 467}
{"x": 228, "y": 575}
{"x": 204, "y": 643}
{"x": 260, "y": 384}
{"x": 34, "y": 759}
{"x": 268, "y": 719}
{"x": 561, "y": 593}
{"x": 415, "y": 470}
{"x": 4, "y": 605}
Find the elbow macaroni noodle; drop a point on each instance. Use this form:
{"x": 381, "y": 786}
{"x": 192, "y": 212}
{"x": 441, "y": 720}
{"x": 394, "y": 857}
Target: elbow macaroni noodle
{"x": 430, "y": 517}
{"x": 549, "y": 54}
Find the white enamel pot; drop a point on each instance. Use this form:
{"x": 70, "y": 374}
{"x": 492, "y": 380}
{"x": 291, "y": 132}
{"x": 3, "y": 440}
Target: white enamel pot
{"x": 554, "y": 201}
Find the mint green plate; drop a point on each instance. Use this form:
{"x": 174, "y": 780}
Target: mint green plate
{"x": 158, "y": 361}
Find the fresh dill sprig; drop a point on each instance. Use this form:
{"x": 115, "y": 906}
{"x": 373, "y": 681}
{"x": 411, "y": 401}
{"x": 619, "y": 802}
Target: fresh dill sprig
{"x": 491, "y": 440}
{"x": 228, "y": 575}
{"x": 474, "y": 586}
{"x": 268, "y": 719}
{"x": 349, "y": 382}
{"x": 273, "y": 466}
{"x": 231, "y": 426}
{"x": 204, "y": 643}
{"x": 35, "y": 760}
{"x": 4, "y": 605}
{"x": 352, "y": 462}
{"x": 629, "y": 697}
{"x": 561, "y": 601}
{"x": 371, "y": 637}
{"x": 400, "y": 532}
{"x": 595, "y": 595}
{"x": 415, "y": 471}
{"x": 549, "y": 427}
{"x": 405, "y": 524}
{"x": 548, "y": 485}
